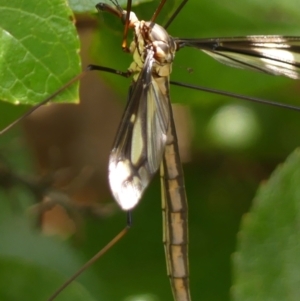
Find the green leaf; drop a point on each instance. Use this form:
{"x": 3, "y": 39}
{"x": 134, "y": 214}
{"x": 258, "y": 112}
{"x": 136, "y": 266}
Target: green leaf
{"x": 38, "y": 50}
{"x": 83, "y": 6}
{"x": 88, "y": 6}
{"x": 28, "y": 281}
{"x": 267, "y": 262}
{"x": 36, "y": 264}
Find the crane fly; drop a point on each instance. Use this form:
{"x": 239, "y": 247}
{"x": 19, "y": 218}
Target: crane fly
{"x": 146, "y": 139}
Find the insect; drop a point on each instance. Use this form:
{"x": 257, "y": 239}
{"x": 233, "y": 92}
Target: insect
{"x": 289, "y": 69}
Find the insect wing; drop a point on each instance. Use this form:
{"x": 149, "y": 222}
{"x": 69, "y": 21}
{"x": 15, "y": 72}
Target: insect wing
{"x": 141, "y": 138}
{"x": 276, "y": 55}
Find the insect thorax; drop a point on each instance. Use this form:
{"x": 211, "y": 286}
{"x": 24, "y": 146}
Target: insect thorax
{"x": 149, "y": 36}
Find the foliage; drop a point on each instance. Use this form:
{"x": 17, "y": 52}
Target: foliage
{"x": 39, "y": 53}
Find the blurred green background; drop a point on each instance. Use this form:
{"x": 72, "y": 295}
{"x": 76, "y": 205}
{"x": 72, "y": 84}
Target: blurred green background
{"x": 229, "y": 147}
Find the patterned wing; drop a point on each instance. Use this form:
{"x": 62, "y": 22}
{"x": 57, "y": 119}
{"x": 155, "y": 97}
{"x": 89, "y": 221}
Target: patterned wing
{"x": 141, "y": 138}
{"x": 276, "y": 55}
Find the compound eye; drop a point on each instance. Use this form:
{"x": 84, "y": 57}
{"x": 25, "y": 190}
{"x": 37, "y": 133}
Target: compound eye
{"x": 123, "y": 18}
{"x": 161, "y": 50}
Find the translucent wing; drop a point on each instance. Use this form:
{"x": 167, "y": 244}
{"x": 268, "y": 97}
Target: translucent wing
{"x": 141, "y": 138}
{"x": 276, "y": 55}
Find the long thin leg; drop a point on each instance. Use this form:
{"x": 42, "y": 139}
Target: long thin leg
{"x": 69, "y": 83}
{"x": 238, "y": 96}
{"x": 179, "y": 8}
{"x": 158, "y": 10}
{"x": 90, "y": 262}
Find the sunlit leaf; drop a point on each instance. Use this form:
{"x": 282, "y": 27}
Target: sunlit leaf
{"x": 38, "y": 52}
